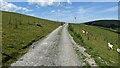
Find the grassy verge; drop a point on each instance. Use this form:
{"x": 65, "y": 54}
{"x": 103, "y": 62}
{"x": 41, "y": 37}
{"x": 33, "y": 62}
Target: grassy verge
{"x": 85, "y": 63}
{"x": 19, "y": 32}
{"x": 96, "y": 43}
{"x": 78, "y": 39}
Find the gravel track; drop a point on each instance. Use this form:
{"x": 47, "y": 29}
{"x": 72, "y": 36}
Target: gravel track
{"x": 54, "y": 50}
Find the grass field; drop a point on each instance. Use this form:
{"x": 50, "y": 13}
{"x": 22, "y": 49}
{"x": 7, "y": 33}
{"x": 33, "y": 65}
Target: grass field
{"x": 96, "y": 43}
{"x": 19, "y": 32}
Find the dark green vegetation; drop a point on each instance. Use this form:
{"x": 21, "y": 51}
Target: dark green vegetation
{"x": 112, "y": 25}
{"x": 19, "y": 32}
{"x": 96, "y": 43}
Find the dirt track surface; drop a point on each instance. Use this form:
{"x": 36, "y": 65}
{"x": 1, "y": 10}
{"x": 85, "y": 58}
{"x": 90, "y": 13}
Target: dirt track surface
{"x": 54, "y": 50}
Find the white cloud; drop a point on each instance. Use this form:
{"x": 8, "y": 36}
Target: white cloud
{"x": 115, "y": 8}
{"x": 32, "y": 15}
{"x": 82, "y": 10}
{"x": 5, "y": 6}
{"x": 68, "y": 7}
{"x": 41, "y": 2}
{"x": 95, "y": 0}
{"x": 64, "y": 0}
{"x": 86, "y": 11}
{"x": 53, "y": 11}
{"x": 69, "y": 1}
{"x": 57, "y": 11}
{"x": 48, "y": 2}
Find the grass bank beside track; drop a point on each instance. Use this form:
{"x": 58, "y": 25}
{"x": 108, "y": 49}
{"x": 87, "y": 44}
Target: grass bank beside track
{"x": 19, "y": 32}
{"x": 96, "y": 43}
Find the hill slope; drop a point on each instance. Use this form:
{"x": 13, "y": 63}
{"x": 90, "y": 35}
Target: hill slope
{"x": 105, "y": 23}
{"x": 112, "y": 25}
{"x": 19, "y": 32}
{"x": 96, "y": 42}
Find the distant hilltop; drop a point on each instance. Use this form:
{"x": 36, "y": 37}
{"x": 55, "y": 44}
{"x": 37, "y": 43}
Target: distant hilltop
{"x": 105, "y": 23}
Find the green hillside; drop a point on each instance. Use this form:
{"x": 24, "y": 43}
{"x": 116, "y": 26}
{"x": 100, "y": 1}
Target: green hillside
{"x": 105, "y": 23}
{"x": 96, "y": 43}
{"x": 19, "y": 32}
{"x": 112, "y": 25}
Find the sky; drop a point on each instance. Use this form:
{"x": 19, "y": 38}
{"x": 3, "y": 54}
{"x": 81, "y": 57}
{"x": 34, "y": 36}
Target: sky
{"x": 70, "y": 12}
